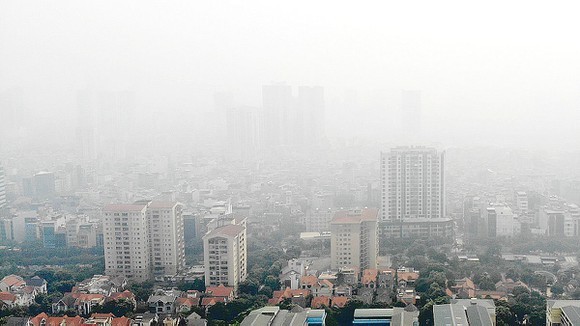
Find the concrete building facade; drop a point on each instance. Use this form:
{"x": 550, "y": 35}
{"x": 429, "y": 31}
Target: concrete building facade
{"x": 225, "y": 254}
{"x": 126, "y": 241}
{"x": 354, "y": 240}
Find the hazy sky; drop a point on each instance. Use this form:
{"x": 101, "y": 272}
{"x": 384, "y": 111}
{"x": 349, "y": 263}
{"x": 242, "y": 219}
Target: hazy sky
{"x": 503, "y": 72}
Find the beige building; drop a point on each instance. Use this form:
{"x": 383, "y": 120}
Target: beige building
{"x": 166, "y": 237}
{"x": 225, "y": 254}
{"x": 354, "y": 240}
{"x": 144, "y": 239}
{"x": 126, "y": 241}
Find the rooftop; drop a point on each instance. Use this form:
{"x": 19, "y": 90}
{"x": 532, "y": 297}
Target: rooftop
{"x": 163, "y": 204}
{"x": 230, "y": 230}
{"x": 124, "y": 207}
{"x": 355, "y": 216}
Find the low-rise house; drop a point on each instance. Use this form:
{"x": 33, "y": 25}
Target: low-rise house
{"x": 407, "y": 279}
{"x": 221, "y": 291}
{"x": 43, "y": 319}
{"x": 102, "y": 284}
{"x": 12, "y": 283}
{"x": 24, "y": 290}
{"x": 348, "y": 275}
{"x": 184, "y": 304}
{"x": 291, "y": 273}
{"x": 385, "y": 278}
{"x": 82, "y": 303}
{"x": 207, "y": 302}
{"x": 320, "y": 302}
{"x": 464, "y": 288}
{"x": 318, "y": 287}
{"x": 8, "y": 299}
{"x": 508, "y": 285}
{"x": 195, "y": 320}
{"x": 107, "y": 320}
{"x": 298, "y": 297}
{"x": 163, "y": 301}
{"x": 495, "y": 295}
{"x": 343, "y": 290}
{"x": 38, "y": 283}
{"x": 338, "y": 302}
{"x": 146, "y": 319}
{"x": 369, "y": 278}
{"x": 125, "y": 295}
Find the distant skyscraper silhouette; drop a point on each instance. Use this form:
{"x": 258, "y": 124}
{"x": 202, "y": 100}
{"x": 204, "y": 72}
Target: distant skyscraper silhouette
{"x": 289, "y": 120}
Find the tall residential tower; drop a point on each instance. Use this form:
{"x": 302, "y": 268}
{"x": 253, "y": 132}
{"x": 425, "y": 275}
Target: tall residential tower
{"x": 413, "y": 193}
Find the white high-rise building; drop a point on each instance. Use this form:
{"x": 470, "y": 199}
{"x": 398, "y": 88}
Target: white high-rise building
{"x": 144, "y": 239}
{"x": 166, "y": 237}
{"x": 126, "y": 241}
{"x": 354, "y": 240}
{"x": 412, "y": 184}
{"x": 225, "y": 254}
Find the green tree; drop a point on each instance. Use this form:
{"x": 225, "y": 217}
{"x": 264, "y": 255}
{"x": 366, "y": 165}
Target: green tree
{"x": 119, "y": 308}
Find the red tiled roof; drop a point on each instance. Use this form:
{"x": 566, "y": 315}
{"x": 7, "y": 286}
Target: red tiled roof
{"x": 12, "y": 280}
{"x": 369, "y": 275}
{"x": 319, "y": 302}
{"x": 121, "y": 321}
{"x": 7, "y": 296}
{"x": 208, "y": 302}
{"x": 407, "y": 276}
{"x": 219, "y": 291}
{"x": 122, "y": 295}
{"x": 339, "y": 302}
{"x": 289, "y": 293}
{"x": 309, "y": 280}
{"x": 56, "y": 321}
{"x": 347, "y": 216}
{"x": 190, "y": 302}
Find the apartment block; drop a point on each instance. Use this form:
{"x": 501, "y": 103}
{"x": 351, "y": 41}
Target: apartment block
{"x": 225, "y": 253}
{"x": 166, "y": 237}
{"x": 354, "y": 240}
{"x": 126, "y": 241}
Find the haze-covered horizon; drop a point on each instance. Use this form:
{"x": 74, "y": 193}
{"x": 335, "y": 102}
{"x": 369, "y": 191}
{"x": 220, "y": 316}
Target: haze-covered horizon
{"x": 494, "y": 74}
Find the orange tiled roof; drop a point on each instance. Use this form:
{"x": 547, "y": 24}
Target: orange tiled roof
{"x": 407, "y": 276}
{"x": 121, "y": 321}
{"x": 309, "y": 280}
{"x": 289, "y": 293}
{"x": 122, "y": 295}
{"x": 190, "y": 302}
{"x": 56, "y": 321}
{"x": 339, "y": 302}
{"x": 208, "y": 302}
{"x": 319, "y": 302}
{"x": 7, "y": 296}
{"x": 369, "y": 275}
{"x": 12, "y": 280}
{"x": 219, "y": 291}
